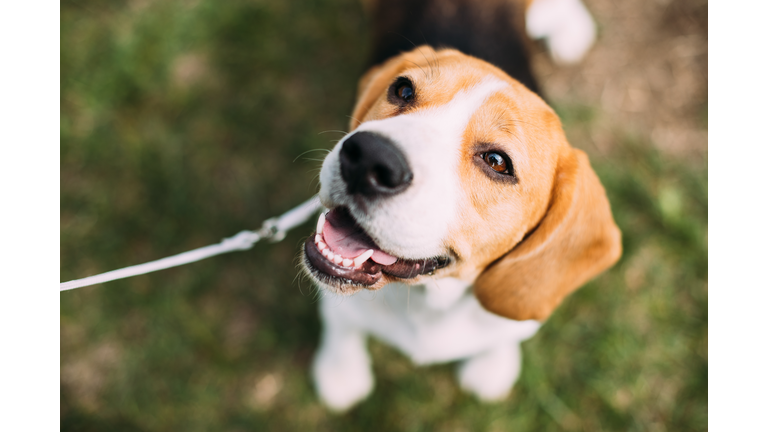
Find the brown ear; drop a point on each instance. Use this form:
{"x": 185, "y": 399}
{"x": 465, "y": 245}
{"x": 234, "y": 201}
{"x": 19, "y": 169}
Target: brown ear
{"x": 371, "y": 86}
{"x": 575, "y": 241}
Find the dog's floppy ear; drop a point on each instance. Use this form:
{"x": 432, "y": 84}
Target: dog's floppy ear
{"x": 575, "y": 241}
{"x": 370, "y": 87}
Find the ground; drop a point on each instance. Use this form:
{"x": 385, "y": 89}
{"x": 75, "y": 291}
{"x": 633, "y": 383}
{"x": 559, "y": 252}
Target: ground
{"x": 183, "y": 122}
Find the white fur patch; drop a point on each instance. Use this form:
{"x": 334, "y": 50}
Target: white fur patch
{"x": 414, "y": 223}
{"x": 423, "y": 328}
{"x": 491, "y": 375}
{"x": 566, "y": 25}
{"x": 342, "y": 368}
{"x": 442, "y": 294}
{"x": 402, "y": 316}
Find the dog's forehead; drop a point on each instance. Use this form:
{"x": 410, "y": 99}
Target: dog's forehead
{"x": 454, "y": 114}
{"x": 460, "y": 88}
{"x": 447, "y": 80}
{"x": 438, "y": 78}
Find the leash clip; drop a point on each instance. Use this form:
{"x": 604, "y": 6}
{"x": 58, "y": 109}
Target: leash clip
{"x": 270, "y": 231}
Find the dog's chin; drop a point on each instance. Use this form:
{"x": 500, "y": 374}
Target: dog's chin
{"x": 323, "y": 261}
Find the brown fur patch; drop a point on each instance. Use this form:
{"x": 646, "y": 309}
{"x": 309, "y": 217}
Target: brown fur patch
{"x": 576, "y": 240}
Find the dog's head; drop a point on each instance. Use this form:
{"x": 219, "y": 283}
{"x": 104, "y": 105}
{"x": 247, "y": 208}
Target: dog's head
{"x": 455, "y": 169}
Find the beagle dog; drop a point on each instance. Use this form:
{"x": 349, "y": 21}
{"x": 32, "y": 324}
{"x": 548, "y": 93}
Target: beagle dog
{"x": 458, "y": 217}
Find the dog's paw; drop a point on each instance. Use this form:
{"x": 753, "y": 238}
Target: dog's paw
{"x": 566, "y": 25}
{"x": 491, "y": 375}
{"x": 343, "y": 375}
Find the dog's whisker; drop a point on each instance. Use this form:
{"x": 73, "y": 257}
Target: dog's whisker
{"x": 434, "y": 56}
{"x": 408, "y": 302}
{"x": 310, "y": 151}
{"x": 355, "y": 119}
{"x": 422, "y": 69}
{"x": 435, "y": 281}
{"x": 429, "y": 64}
{"x": 420, "y": 51}
{"x": 316, "y": 178}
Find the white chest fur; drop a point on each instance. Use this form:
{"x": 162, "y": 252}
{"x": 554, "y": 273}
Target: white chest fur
{"x": 439, "y": 321}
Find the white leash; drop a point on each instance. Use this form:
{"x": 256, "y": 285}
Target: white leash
{"x": 273, "y": 229}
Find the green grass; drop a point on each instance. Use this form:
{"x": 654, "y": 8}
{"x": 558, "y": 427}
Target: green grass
{"x": 181, "y": 123}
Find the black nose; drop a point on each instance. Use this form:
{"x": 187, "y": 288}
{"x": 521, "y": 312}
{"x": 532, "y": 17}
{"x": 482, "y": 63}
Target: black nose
{"x": 372, "y": 166}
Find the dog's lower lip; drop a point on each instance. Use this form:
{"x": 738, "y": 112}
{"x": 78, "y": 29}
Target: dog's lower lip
{"x": 368, "y": 274}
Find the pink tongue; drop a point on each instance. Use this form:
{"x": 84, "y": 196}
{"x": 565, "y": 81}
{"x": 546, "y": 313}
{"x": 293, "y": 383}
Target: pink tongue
{"x": 347, "y": 240}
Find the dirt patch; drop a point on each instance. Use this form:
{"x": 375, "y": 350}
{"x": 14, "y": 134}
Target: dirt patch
{"x": 86, "y": 376}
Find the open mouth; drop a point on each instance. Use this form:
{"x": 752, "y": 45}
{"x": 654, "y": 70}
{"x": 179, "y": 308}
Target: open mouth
{"x": 341, "y": 253}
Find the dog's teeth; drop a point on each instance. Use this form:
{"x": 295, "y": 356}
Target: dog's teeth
{"x": 347, "y": 262}
{"x": 337, "y": 259}
{"x": 363, "y": 258}
{"x": 326, "y": 252}
{"x": 322, "y": 246}
{"x": 320, "y": 223}
{"x": 318, "y": 239}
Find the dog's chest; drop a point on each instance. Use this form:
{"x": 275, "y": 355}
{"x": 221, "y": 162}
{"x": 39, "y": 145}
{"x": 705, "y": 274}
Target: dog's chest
{"x": 436, "y": 322}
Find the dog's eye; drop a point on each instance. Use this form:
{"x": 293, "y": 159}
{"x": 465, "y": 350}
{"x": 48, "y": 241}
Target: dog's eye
{"x": 405, "y": 91}
{"x": 402, "y": 92}
{"x": 497, "y": 162}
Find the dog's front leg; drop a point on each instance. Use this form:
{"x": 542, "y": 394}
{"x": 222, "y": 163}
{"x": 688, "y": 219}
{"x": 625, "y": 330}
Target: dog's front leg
{"x": 342, "y": 367}
{"x": 491, "y": 374}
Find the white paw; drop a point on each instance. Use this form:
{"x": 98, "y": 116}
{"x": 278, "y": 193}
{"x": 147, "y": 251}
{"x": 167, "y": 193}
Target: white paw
{"x": 342, "y": 375}
{"x": 490, "y": 376}
{"x": 566, "y": 25}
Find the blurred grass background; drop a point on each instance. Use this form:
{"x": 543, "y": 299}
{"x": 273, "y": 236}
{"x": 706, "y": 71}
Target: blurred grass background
{"x": 183, "y": 122}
